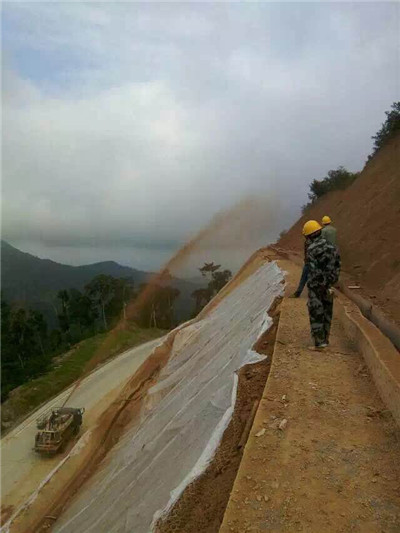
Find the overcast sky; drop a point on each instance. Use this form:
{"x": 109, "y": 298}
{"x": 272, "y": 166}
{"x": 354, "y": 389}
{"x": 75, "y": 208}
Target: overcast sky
{"x": 127, "y": 126}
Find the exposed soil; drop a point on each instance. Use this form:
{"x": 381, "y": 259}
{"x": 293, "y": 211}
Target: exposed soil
{"x": 333, "y": 465}
{"x": 367, "y": 217}
{"x": 6, "y": 512}
{"x": 56, "y": 496}
{"x": 202, "y": 505}
{"x": 334, "y": 468}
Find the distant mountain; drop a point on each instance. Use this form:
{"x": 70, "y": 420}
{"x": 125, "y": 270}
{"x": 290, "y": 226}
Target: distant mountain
{"x": 29, "y": 281}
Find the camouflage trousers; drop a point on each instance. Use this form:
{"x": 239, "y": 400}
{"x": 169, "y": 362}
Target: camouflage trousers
{"x": 320, "y": 308}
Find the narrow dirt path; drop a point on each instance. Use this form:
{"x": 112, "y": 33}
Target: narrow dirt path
{"x": 333, "y": 466}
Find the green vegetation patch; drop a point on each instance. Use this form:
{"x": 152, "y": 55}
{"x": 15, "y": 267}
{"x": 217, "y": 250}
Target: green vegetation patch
{"x": 341, "y": 178}
{"x": 66, "y": 369}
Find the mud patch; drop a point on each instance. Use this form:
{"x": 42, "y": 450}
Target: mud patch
{"x": 6, "y": 512}
{"x": 202, "y": 505}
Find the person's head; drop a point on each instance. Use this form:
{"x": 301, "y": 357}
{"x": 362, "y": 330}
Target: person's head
{"x": 326, "y": 220}
{"x": 312, "y": 229}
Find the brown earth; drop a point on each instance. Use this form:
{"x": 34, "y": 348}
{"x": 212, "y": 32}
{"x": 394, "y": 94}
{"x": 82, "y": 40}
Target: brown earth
{"x": 202, "y": 505}
{"x": 367, "y": 217}
{"x": 5, "y": 513}
{"x": 332, "y": 466}
{"x": 335, "y": 463}
{"x": 123, "y": 412}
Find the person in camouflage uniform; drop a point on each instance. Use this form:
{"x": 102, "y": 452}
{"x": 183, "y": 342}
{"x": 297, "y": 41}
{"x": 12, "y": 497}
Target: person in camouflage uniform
{"x": 304, "y": 274}
{"x": 324, "y": 268}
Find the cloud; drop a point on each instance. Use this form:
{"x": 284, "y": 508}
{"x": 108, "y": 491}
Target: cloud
{"x": 128, "y": 126}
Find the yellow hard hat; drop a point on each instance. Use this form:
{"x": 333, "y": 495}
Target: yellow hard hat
{"x": 326, "y": 220}
{"x": 311, "y": 227}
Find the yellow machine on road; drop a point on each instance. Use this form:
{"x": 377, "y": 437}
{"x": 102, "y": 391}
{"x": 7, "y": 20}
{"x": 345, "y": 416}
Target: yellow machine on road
{"x": 57, "y": 428}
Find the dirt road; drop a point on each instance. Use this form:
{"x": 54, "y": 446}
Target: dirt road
{"x": 323, "y": 451}
{"x": 22, "y": 470}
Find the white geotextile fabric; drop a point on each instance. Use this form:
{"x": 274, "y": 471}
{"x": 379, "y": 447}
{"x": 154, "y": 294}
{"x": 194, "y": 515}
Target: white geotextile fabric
{"x": 184, "y": 419}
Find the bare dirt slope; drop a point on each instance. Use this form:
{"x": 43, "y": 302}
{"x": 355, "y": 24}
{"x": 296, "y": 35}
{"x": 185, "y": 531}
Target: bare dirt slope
{"x": 56, "y": 495}
{"x": 367, "y": 216}
{"x": 334, "y": 466}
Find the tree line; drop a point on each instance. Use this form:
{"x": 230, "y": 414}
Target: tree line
{"x": 29, "y": 345}
{"x": 341, "y": 178}
{"x": 388, "y": 130}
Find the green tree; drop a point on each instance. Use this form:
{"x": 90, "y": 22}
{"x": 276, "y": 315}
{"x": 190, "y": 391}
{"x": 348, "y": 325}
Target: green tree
{"x": 202, "y": 297}
{"x": 77, "y": 317}
{"x": 20, "y": 335}
{"x": 63, "y": 317}
{"x": 335, "y": 180}
{"x": 165, "y": 298}
{"x": 55, "y": 341}
{"x": 38, "y": 325}
{"x": 12, "y": 368}
{"x": 209, "y": 268}
{"x": 389, "y": 128}
{"x": 101, "y": 290}
{"x": 24, "y": 342}
{"x": 217, "y": 280}
{"x": 123, "y": 293}
{"x": 157, "y": 309}
{"x": 82, "y": 310}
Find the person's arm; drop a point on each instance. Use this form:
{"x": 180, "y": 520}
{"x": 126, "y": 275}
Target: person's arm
{"x": 335, "y": 238}
{"x": 306, "y": 243}
{"x": 338, "y": 264}
{"x": 333, "y": 266}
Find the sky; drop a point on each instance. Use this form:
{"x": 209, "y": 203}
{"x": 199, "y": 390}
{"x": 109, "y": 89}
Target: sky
{"x": 127, "y": 126}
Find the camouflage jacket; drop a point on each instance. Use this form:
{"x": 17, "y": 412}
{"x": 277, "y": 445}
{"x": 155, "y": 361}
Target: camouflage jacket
{"x": 324, "y": 264}
{"x": 306, "y": 245}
